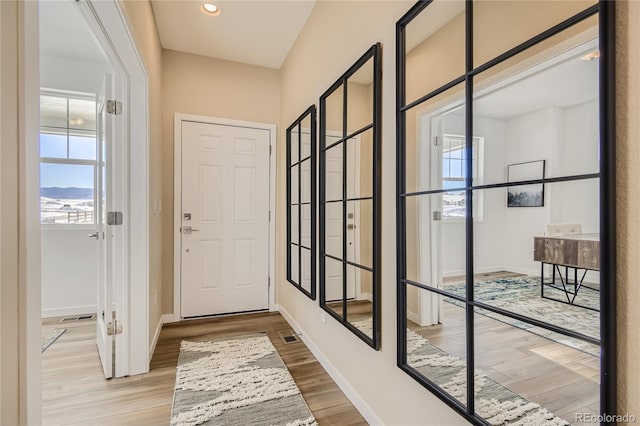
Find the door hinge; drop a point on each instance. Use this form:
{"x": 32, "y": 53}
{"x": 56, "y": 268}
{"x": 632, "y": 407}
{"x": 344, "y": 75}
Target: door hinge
{"x": 270, "y": 149}
{"x": 115, "y": 218}
{"x": 114, "y": 327}
{"x": 436, "y": 141}
{"x": 269, "y": 215}
{"x": 114, "y": 107}
{"x": 437, "y": 215}
{"x": 268, "y": 282}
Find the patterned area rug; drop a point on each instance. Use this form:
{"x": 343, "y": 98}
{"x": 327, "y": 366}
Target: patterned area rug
{"x": 49, "y": 337}
{"x": 522, "y": 295}
{"x": 494, "y": 402}
{"x": 236, "y": 381}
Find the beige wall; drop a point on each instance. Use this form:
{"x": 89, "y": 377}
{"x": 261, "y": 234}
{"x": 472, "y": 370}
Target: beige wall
{"x": 628, "y": 182}
{"x": 199, "y": 85}
{"x": 9, "y": 341}
{"x": 143, "y": 26}
{"x": 312, "y": 66}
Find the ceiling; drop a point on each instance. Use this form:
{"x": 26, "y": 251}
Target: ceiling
{"x": 64, "y": 33}
{"x": 563, "y": 85}
{"x": 256, "y": 32}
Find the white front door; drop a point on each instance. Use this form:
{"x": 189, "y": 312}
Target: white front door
{"x": 225, "y": 219}
{"x": 334, "y": 227}
{"x": 105, "y": 188}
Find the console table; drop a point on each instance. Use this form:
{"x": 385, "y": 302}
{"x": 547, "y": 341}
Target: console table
{"x": 569, "y": 252}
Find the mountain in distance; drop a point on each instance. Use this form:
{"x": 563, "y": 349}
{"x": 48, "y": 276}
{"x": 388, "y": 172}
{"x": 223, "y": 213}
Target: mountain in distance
{"x": 71, "y": 193}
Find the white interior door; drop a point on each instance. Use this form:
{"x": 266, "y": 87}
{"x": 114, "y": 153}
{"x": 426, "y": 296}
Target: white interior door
{"x": 334, "y": 228}
{"x": 225, "y": 219}
{"x": 104, "y": 236}
{"x": 430, "y": 213}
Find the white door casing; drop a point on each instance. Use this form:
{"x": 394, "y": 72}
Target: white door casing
{"x": 223, "y": 182}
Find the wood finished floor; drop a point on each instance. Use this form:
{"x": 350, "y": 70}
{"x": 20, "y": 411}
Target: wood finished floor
{"x": 75, "y": 392}
{"x": 562, "y": 379}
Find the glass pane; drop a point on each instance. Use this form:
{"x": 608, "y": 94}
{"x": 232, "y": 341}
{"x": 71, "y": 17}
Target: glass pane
{"x": 53, "y": 111}
{"x": 66, "y": 193}
{"x": 436, "y": 249}
{"x": 305, "y": 137}
{"x": 306, "y": 270}
{"x": 360, "y": 165}
{"x": 333, "y": 170}
{"x": 295, "y": 229}
{"x": 82, "y": 114}
{"x": 557, "y": 244}
{"x": 305, "y": 196}
{"x": 435, "y": 47}
{"x": 306, "y": 225}
{"x": 333, "y": 232}
{"x": 531, "y": 378}
{"x": 549, "y": 111}
{"x": 333, "y": 113}
{"x": 53, "y": 145}
{"x": 436, "y": 340}
{"x": 360, "y": 98}
{"x": 360, "y": 232}
{"x": 360, "y": 297}
{"x": 333, "y": 285}
{"x": 295, "y": 264}
{"x": 294, "y": 144}
{"x": 426, "y": 125}
{"x": 82, "y": 148}
{"x": 499, "y": 25}
{"x": 295, "y": 184}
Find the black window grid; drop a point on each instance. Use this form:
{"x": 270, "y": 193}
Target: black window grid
{"x": 296, "y": 126}
{"x": 373, "y": 53}
{"x": 608, "y": 369}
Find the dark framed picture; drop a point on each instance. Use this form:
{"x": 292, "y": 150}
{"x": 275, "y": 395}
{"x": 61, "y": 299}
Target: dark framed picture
{"x": 525, "y": 195}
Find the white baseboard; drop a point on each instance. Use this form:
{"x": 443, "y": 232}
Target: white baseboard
{"x": 342, "y": 383}
{"x": 164, "y": 319}
{"x": 412, "y": 316}
{"x": 67, "y": 311}
{"x": 365, "y": 296}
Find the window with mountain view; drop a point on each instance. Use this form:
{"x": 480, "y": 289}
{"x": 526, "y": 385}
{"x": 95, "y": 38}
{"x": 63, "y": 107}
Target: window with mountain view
{"x": 67, "y": 158}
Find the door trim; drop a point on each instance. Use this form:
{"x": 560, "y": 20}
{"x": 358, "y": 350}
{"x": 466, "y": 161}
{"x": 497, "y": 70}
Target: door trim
{"x": 108, "y": 22}
{"x": 177, "y": 195}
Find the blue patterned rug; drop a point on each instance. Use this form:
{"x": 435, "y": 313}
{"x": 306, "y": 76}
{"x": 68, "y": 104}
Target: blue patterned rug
{"x": 522, "y": 295}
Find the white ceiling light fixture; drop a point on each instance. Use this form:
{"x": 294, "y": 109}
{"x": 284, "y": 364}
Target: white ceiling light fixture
{"x": 210, "y": 9}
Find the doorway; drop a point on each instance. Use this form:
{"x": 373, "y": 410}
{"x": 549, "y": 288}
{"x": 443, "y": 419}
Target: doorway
{"x": 224, "y": 232}
{"x": 106, "y": 79}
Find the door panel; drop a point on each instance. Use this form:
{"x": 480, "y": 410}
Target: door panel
{"x": 334, "y": 227}
{"x": 105, "y": 246}
{"x": 225, "y": 219}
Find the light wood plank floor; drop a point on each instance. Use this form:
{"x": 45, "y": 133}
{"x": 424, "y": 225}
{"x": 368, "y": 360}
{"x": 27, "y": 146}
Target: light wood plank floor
{"x": 562, "y": 379}
{"x": 75, "y": 392}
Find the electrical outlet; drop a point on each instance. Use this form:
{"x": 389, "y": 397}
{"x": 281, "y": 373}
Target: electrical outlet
{"x": 323, "y": 316}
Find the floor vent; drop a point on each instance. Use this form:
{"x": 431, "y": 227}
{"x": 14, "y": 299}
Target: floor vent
{"x": 78, "y": 318}
{"x": 288, "y": 337}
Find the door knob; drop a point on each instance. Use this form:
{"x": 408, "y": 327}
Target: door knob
{"x": 188, "y": 230}
{"x": 93, "y": 235}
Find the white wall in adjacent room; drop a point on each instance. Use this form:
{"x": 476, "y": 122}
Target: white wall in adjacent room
{"x": 69, "y": 256}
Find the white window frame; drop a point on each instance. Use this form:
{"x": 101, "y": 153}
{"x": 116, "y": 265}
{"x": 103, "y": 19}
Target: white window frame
{"x": 478, "y": 177}
{"x": 70, "y": 161}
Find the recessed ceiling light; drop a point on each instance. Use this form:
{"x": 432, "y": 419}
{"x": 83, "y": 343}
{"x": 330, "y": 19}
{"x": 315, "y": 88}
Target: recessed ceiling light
{"x": 210, "y": 9}
{"x": 591, "y": 56}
